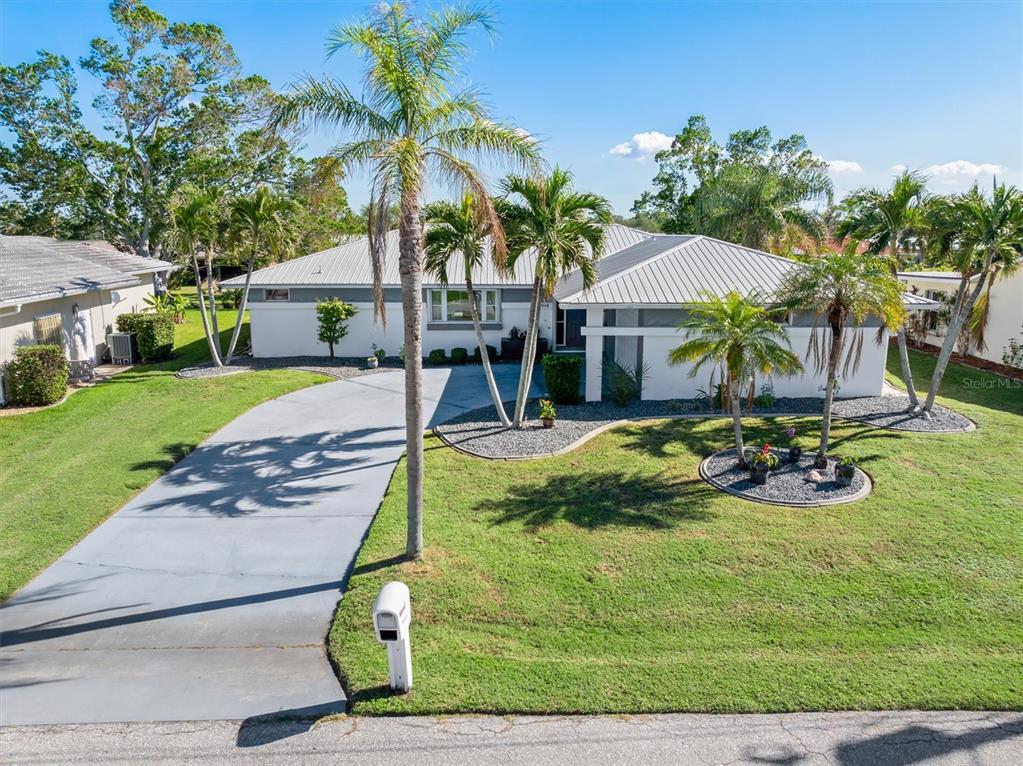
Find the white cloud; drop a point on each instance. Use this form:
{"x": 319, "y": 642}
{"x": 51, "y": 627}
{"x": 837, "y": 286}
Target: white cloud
{"x": 844, "y": 166}
{"x": 961, "y": 169}
{"x": 898, "y": 168}
{"x": 642, "y": 145}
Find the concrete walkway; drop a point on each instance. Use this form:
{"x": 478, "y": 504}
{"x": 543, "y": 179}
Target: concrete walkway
{"x": 807, "y": 739}
{"x": 210, "y": 594}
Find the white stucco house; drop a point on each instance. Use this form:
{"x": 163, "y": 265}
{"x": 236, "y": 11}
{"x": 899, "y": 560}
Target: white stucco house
{"x": 68, "y": 293}
{"x": 1005, "y": 308}
{"x": 631, "y": 314}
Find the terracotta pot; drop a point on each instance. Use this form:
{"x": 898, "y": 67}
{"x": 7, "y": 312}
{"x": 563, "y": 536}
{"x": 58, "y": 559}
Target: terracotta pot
{"x": 548, "y": 422}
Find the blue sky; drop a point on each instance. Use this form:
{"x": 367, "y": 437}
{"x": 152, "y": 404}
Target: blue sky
{"x": 936, "y": 86}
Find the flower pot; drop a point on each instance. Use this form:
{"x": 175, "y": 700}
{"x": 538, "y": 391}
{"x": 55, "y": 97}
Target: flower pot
{"x": 547, "y": 422}
{"x": 820, "y": 463}
{"x": 372, "y": 362}
{"x": 759, "y": 473}
{"x": 795, "y": 453}
{"x": 844, "y": 474}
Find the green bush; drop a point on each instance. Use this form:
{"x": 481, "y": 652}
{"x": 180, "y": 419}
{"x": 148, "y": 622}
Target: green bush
{"x": 491, "y": 354}
{"x": 332, "y": 315}
{"x": 624, "y": 383}
{"x": 561, "y": 373}
{"x": 437, "y": 356}
{"x": 459, "y": 355}
{"x": 37, "y": 375}
{"x": 154, "y": 334}
{"x": 230, "y": 299}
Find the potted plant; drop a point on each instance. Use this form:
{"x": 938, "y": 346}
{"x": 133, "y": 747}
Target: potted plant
{"x": 795, "y": 451}
{"x": 845, "y": 471}
{"x": 372, "y": 362}
{"x": 761, "y": 462}
{"x": 379, "y": 353}
{"x": 547, "y": 413}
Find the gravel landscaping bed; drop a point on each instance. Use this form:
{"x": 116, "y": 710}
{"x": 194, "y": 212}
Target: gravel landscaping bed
{"x": 891, "y": 412}
{"x": 340, "y": 368}
{"x": 786, "y": 485}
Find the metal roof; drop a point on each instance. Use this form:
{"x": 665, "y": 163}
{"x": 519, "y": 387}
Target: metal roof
{"x": 349, "y": 265}
{"x": 39, "y": 268}
{"x": 950, "y": 275}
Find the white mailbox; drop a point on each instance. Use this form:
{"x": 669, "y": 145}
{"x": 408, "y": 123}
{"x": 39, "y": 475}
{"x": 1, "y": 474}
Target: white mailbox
{"x": 392, "y": 616}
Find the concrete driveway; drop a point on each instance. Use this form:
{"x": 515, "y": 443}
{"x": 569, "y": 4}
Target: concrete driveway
{"x": 210, "y": 594}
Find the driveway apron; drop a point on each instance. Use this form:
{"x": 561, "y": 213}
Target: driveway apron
{"x": 210, "y": 594}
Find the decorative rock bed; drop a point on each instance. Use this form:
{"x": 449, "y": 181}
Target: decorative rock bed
{"x": 786, "y": 485}
{"x": 340, "y": 368}
{"x": 893, "y": 412}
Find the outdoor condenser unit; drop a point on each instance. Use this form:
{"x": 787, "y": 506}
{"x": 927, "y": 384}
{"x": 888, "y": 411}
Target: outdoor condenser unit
{"x": 122, "y": 347}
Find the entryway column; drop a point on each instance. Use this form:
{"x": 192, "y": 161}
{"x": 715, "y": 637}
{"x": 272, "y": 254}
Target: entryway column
{"x": 594, "y": 354}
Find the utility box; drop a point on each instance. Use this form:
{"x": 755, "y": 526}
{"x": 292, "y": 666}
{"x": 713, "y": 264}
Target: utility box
{"x": 392, "y": 617}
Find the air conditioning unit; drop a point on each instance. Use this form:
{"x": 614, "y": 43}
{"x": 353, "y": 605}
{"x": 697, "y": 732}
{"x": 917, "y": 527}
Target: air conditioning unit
{"x": 122, "y": 347}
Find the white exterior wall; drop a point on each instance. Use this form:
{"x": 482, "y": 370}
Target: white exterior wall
{"x": 289, "y": 329}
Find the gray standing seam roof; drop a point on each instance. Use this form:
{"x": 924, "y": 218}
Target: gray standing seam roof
{"x": 39, "y": 268}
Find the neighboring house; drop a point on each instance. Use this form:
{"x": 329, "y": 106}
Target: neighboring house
{"x": 630, "y": 315}
{"x": 1005, "y": 308}
{"x": 68, "y": 293}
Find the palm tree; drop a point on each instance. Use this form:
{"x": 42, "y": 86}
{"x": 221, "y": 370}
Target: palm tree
{"x": 194, "y": 220}
{"x": 566, "y": 229}
{"x": 740, "y": 336}
{"x": 463, "y": 228}
{"x": 892, "y": 220}
{"x": 408, "y": 127}
{"x": 837, "y": 288}
{"x": 256, "y": 221}
{"x": 983, "y": 238}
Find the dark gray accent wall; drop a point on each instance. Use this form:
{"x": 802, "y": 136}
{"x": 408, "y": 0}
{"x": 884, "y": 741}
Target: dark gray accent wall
{"x": 365, "y": 294}
{"x": 661, "y": 317}
{"x": 805, "y": 319}
{"x": 462, "y": 325}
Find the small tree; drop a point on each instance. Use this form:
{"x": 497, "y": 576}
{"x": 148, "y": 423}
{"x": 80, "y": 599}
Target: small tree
{"x": 333, "y": 315}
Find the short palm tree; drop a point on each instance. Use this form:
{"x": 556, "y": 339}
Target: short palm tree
{"x": 982, "y": 237}
{"x": 464, "y": 229}
{"x": 566, "y": 229}
{"x": 892, "y": 219}
{"x": 257, "y": 221}
{"x": 194, "y": 220}
{"x": 837, "y": 288}
{"x": 408, "y": 127}
{"x": 740, "y": 336}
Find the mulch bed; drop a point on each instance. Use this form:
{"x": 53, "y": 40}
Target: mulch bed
{"x": 340, "y": 368}
{"x": 893, "y": 412}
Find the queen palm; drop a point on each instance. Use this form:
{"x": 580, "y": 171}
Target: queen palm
{"x": 257, "y": 221}
{"x": 740, "y": 336}
{"x": 463, "y": 229}
{"x": 408, "y": 126}
{"x": 982, "y": 238}
{"x": 566, "y": 230}
{"x": 194, "y": 220}
{"x": 839, "y": 288}
{"x": 890, "y": 219}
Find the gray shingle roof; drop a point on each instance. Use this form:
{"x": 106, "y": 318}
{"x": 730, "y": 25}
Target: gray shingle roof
{"x": 348, "y": 265}
{"x": 39, "y": 268}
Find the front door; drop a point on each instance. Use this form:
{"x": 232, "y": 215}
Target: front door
{"x": 575, "y": 320}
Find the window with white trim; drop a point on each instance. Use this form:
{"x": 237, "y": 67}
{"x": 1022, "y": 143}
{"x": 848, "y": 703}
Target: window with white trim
{"x": 453, "y": 306}
{"x": 276, "y": 294}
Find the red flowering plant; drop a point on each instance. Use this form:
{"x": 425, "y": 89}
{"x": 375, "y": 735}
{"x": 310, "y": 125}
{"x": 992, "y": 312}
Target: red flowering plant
{"x": 765, "y": 460}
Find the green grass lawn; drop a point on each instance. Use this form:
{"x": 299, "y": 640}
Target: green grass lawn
{"x": 65, "y": 469}
{"x": 612, "y": 579}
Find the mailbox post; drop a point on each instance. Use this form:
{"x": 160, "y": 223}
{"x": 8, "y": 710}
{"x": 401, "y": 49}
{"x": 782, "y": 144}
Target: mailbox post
{"x": 392, "y": 615}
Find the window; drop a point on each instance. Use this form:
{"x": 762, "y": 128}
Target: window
{"x": 453, "y": 306}
{"x": 47, "y": 330}
{"x": 276, "y": 294}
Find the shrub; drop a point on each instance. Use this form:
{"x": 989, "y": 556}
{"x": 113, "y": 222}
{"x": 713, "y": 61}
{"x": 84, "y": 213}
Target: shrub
{"x": 37, "y": 375}
{"x": 459, "y": 355}
{"x": 437, "y": 356}
{"x": 624, "y": 383}
{"x": 561, "y": 373}
{"x": 230, "y": 299}
{"x": 154, "y": 334}
{"x": 332, "y": 317}
{"x": 478, "y": 357}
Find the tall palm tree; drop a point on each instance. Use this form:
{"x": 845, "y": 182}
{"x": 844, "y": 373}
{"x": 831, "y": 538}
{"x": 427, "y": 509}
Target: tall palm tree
{"x": 740, "y": 336}
{"x": 891, "y": 219}
{"x": 983, "y": 238}
{"x": 837, "y": 288}
{"x": 408, "y": 126}
{"x": 759, "y": 207}
{"x": 256, "y": 221}
{"x": 194, "y": 220}
{"x": 464, "y": 228}
{"x": 566, "y": 229}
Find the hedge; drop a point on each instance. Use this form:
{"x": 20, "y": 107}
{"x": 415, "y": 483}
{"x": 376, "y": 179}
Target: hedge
{"x": 459, "y": 355}
{"x": 154, "y": 334}
{"x": 478, "y": 357}
{"x": 437, "y": 356}
{"x": 37, "y": 375}
{"x": 561, "y": 373}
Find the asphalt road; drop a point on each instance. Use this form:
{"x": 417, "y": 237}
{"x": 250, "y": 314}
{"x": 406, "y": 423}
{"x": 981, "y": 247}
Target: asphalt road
{"x": 842, "y": 739}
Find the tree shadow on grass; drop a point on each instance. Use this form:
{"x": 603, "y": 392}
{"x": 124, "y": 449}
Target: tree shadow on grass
{"x": 597, "y": 499}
